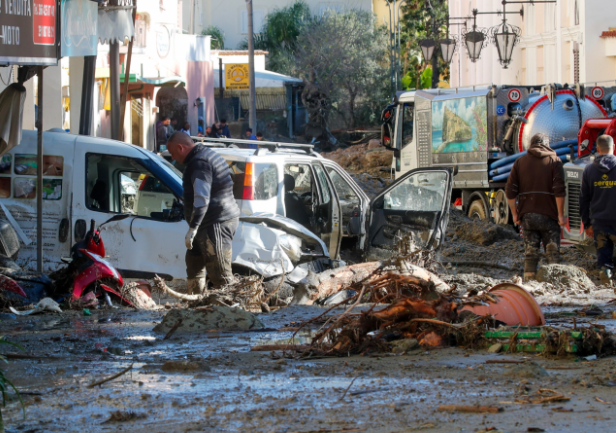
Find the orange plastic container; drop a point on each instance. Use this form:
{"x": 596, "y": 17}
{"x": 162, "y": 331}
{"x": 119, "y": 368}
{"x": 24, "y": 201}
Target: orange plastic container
{"x": 514, "y": 306}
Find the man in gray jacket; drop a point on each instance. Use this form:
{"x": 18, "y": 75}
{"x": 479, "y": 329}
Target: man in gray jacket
{"x": 210, "y": 210}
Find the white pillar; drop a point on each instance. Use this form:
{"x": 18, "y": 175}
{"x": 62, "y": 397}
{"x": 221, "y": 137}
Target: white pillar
{"x": 28, "y": 117}
{"x": 75, "y": 68}
{"x": 52, "y": 97}
{"x": 559, "y": 43}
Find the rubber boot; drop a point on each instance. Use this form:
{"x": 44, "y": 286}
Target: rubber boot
{"x": 195, "y": 286}
{"x": 529, "y": 276}
{"x": 606, "y": 276}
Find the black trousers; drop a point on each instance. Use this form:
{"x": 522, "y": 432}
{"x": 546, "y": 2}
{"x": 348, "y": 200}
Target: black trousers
{"x": 212, "y": 253}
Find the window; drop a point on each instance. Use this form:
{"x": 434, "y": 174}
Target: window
{"x": 421, "y": 191}
{"x": 576, "y": 12}
{"x": 258, "y": 19}
{"x": 523, "y": 71}
{"x": 140, "y": 33}
{"x": 342, "y": 187}
{"x": 539, "y": 18}
{"x": 322, "y": 177}
{"x": 540, "y": 69}
{"x": 407, "y": 124}
{"x": 264, "y": 179}
{"x": 299, "y": 193}
{"x": 124, "y": 185}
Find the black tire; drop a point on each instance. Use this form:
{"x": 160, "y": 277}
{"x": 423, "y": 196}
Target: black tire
{"x": 477, "y": 210}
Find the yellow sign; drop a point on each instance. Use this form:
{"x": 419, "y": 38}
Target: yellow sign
{"x": 236, "y": 76}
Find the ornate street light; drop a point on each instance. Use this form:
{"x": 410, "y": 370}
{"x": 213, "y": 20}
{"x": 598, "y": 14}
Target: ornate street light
{"x": 427, "y": 48}
{"x": 505, "y": 37}
{"x": 475, "y": 40}
{"x": 448, "y": 48}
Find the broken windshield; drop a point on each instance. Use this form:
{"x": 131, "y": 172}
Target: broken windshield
{"x": 419, "y": 192}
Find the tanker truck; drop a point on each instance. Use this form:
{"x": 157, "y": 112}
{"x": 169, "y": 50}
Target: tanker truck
{"x": 480, "y": 131}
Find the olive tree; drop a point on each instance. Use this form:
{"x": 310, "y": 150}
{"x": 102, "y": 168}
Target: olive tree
{"x": 342, "y": 58}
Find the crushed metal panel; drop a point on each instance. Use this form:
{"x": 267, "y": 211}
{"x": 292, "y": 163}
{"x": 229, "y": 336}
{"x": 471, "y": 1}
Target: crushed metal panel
{"x": 258, "y": 248}
{"x": 288, "y": 225}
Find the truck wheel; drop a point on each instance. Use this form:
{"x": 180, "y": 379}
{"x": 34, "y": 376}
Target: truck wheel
{"x": 501, "y": 208}
{"x": 477, "y": 210}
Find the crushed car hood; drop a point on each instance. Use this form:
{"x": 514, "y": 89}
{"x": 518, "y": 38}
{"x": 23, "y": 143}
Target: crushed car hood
{"x": 268, "y": 244}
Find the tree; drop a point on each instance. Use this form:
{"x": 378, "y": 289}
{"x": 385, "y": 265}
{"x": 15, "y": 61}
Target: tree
{"x": 342, "y": 59}
{"x": 418, "y": 23}
{"x": 218, "y": 37}
{"x": 279, "y": 35}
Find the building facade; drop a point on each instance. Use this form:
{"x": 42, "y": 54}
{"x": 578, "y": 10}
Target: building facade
{"x": 564, "y": 42}
{"x": 232, "y": 18}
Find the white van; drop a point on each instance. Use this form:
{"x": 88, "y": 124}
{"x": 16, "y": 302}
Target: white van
{"x": 87, "y": 178}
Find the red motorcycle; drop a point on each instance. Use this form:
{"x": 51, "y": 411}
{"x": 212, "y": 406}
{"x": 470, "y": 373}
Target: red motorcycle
{"x": 93, "y": 276}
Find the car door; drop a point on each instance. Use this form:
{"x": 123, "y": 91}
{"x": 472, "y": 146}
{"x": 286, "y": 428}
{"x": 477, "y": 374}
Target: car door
{"x": 413, "y": 210}
{"x": 112, "y": 179}
{"x": 327, "y": 212}
{"x": 354, "y": 203}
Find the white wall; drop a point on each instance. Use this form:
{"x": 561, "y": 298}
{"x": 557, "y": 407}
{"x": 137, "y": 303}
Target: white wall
{"x": 230, "y": 15}
{"x": 549, "y": 29}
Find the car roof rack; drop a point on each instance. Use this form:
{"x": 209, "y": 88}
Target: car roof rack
{"x": 272, "y": 146}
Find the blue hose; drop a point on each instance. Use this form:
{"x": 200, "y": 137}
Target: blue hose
{"x": 512, "y": 158}
{"x": 507, "y": 168}
{"x": 505, "y": 176}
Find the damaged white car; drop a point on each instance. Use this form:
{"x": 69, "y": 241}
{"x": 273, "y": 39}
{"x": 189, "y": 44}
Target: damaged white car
{"x": 296, "y": 206}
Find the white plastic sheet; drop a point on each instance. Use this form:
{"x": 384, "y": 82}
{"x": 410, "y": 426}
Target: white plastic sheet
{"x": 115, "y": 25}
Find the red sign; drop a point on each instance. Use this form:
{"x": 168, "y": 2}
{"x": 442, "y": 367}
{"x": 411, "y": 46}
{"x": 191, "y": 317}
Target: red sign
{"x": 597, "y": 92}
{"x": 515, "y": 95}
{"x": 44, "y": 22}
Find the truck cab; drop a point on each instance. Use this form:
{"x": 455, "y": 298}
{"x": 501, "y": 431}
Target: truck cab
{"x": 480, "y": 131}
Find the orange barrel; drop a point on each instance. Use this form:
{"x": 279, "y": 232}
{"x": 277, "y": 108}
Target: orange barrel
{"x": 514, "y": 306}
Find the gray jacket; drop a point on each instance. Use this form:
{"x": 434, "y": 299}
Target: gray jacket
{"x": 208, "y": 189}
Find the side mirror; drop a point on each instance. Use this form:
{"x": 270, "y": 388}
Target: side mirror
{"x": 387, "y": 130}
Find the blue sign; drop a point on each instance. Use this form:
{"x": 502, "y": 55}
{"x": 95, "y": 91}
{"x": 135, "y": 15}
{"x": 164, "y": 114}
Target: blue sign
{"x": 500, "y": 110}
{"x": 79, "y": 28}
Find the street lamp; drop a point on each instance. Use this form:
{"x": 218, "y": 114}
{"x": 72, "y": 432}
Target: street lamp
{"x": 475, "y": 39}
{"x": 448, "y": 48}
{"x": 427, "y": 48}
{"x": 505, "y": 38}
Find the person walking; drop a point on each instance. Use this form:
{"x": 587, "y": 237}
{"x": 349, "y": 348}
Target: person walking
{"x": 598, "y": 205}
{"x": 536, "y": 195}
{"x": 210, "y": 210}
{"x": 162, "y": 133}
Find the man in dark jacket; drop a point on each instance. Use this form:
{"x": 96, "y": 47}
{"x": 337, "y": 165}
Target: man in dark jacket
{"x": 597, "y": 204}
{"x": 210, "y": 210}
{"x": 224, "y": 129}
{"x": 536, "y": 194}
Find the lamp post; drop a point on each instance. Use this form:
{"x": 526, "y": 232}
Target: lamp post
{"x": 394, "y": 44}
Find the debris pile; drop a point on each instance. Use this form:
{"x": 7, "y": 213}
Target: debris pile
{"x": 362, "y": 158}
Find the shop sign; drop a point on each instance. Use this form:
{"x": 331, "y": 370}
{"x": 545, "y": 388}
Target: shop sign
{"x": 28, "y": 33}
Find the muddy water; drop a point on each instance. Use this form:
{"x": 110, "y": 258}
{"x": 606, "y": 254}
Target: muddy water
{"x": 227, "y": 388}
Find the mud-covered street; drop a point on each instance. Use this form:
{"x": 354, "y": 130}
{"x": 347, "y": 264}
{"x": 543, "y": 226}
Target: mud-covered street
{"x": 213, "y": 382}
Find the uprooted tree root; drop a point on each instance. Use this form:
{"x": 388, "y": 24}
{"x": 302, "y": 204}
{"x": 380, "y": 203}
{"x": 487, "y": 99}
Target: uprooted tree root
{"x": 433, "y": 319}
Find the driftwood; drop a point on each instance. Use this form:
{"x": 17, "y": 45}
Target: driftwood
{"x": 107, "y": 379}
{"x": 470, "y": 409}
{"x": 159, "y": 284}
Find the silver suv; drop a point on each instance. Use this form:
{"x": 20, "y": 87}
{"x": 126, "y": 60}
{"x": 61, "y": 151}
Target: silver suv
{"x": 294, "y": 181}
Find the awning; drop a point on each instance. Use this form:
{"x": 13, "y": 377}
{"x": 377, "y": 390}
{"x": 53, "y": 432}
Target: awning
{"x": 173, "y": 81}
{"x": 115, "y": 25}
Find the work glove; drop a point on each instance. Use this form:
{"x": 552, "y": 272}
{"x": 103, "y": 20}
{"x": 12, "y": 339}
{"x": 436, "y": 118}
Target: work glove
{"x": 190, "y": 236}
